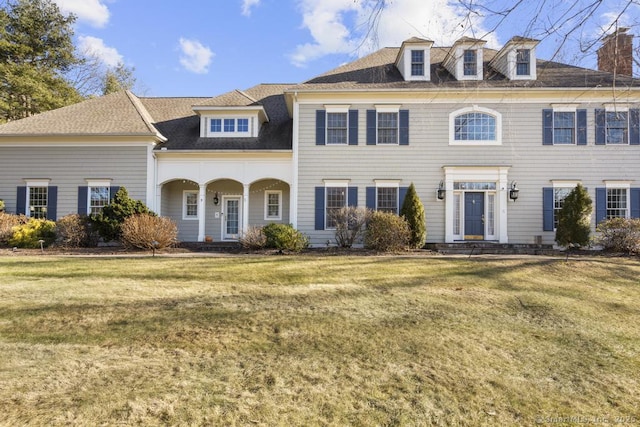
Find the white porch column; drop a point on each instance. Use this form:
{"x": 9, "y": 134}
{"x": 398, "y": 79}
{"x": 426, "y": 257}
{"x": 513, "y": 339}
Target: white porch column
{"x": 158, "y": 205}
{"x": 245, "y": 208}
{"x": 202, "y": 198}
{"x": 503, "y": 194}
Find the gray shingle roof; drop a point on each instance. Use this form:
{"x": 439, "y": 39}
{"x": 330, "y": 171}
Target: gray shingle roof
{"x": 377, "y": 71}
{"x": 119, "y": 113}
{"x": 175, "y": 119}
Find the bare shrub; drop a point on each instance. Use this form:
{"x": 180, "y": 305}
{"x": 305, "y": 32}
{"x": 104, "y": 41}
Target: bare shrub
{"x": 620, "y": 235}
{"x": 7, "y": 222}
{"x": 146, "y": 231}
{"x": 253, "y": 238}
{"x": 74, "y": 231}
{"x": 387, "y": 232}
{"x": 350, "y": 224}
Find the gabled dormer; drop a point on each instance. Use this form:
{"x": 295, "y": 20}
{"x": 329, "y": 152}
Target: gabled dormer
{"x": 232, "y": 115}
{"x": 517, "y": 59}
{"x": 414, "y": 59}
{"x": 465, "y": 58}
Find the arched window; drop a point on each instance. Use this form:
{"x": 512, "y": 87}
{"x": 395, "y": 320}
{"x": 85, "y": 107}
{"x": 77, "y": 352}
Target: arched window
{"x": 475, "y": 126}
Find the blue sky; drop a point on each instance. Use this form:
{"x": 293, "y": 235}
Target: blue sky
{"x": 208, "y": 47}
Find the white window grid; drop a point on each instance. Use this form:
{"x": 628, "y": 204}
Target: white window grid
{"x": 387, "y": 199}
{"x": 337, "y": 128}
{"x": 387, "y": 128}
{"x": 617, "y": 203}
{"x": 564, "y": 127}
{"x": 475, "y": 127}
{"x": 38, "y": 202}
{"x": 336, "y": 199}
{"x": 99, "y": 197}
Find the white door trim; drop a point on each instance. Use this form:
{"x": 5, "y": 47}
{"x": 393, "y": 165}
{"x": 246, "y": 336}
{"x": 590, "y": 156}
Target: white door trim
{"x": 223, "y": 234}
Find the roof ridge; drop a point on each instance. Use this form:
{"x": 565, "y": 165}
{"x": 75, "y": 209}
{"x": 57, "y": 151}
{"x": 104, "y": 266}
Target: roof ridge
{"x": 246, "y": 95}
{"x": 144, "y": 114}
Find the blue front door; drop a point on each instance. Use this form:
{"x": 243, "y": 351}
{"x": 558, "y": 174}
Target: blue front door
{"x": 473, "y": 216}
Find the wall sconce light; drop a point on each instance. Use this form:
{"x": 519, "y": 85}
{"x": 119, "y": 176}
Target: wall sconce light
{"x": 514, "y": 191}
{"x": 441, "y": 191}
{"x": 216, "y": 199}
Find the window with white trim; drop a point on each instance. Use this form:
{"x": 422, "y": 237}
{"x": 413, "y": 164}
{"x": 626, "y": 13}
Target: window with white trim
{"x": 273, "y": 205}
{"x": 475, "y": 126}
{"x": 229, "y": 126}
{"x": 564, "y": 127}
{"x": 336, "y": 199}
{"x": 387, "y": 128}
{"x": 37, "y": 201}
{"x": 190, "y": 204}
{"x": 559, "y": 194}
{"x": 387, "y": 199}
{"x": 99, "y": 197}
{"x": 617, "y": 202}
{"x": 337, "y": 128}
{"x": 523, "y": 62}
{"x": 417, "y": 62}
{"x": 470, "y": 62}
{"x": 617, "y": 127}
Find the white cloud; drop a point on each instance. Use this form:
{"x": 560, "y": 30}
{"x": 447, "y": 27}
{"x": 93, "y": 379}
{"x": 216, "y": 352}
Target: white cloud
{"x": 195, "y": 56}
{"x": 94, "y": 46}
{"x": 93, "y": 12}
{"x": 340, "y": 27}
{"x": 247, "y": 5}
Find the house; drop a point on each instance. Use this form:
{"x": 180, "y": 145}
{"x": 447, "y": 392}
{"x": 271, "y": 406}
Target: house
{"x": 492, "y": 139}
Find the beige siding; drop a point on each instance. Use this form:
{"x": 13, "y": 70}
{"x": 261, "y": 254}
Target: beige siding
{"x": 69, "y": 167}
{"x": 257, "y": 202}
{"x": 533, "y": 165}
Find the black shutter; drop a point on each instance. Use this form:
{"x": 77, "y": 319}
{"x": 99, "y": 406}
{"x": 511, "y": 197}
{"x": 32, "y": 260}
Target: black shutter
{"x": 601, "y": 205}
{"x": 21, "y": 201}
{"x": 601, "y": 133}
{"x": 371, "y": 198}
{"x": 581, "y": 119}
{"x": 319, "y": 208}
{"x": 371, "y": 127}
{"x": 547, "y": 209}
{"x": 321, "y": 122}
{"x": 634, "y": 126}
{"x": 353, "y": 127}
{"x": 83, "y": 200}
{"x": 635, "y": 202}
{"x": 404, "y": 127}
{"x": 52, "y": 203}
{"x": 352, "y": 196}
{"x": 547, "y": 127}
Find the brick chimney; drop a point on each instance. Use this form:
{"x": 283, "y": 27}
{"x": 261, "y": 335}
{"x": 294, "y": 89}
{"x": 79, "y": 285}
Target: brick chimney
{"x": 616, "y": 53}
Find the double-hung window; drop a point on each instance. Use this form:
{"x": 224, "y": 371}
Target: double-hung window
{"x": 617, "y": 127}
{"x": 190, "y": 204}
{"x": 617, "y": 203}
{"x": 564, "y": 124}
{"x": 273, "y": 205}
{"x": 388, "y": 128}
{"x": 337, "y": 130}
{"x": 417, "y": 62}
{"x": 38, "y": 200}
{"x": 470, "y": 62}
{"x": 553, "y": 201}
{"x": 564, "y": 127}
{"x": 523, "y": 62}
{"x": 336, "y": 199}
{"x": 99, "y": 197}
{"x": 387, "y": 199}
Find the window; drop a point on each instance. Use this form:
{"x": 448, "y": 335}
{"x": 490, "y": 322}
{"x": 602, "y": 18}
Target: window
{"x": 336, "y": 128}
{"x": 564, "y": 126}
{"x": 417, "y": 62}
{"x": 272, "y": 205}
{"x": 336, "y": 199}
{"x": 190, "y": 205}
{"x": 229, "y": 125}
{"x": 559, "y": 194}
{"x": 523, "y": 63}
{"x": 216, "y": 125}
{"x": 617, "y": 203}
{"x": 475, "y": 127}
{"x": 99, "y": 197}
{"x": 470, "y": 64}
{"x": 617, "y": 129}
{"x": 387, "y": 128}
{"x": 387, "y": 199}
{"x": 243, "y": 125}
{"x": 37, "y": 202}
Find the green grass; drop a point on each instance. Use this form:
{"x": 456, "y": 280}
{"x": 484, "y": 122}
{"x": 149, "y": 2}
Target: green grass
{"x": 305, "y": 340}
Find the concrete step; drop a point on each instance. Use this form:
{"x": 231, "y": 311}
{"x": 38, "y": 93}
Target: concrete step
{"x": 491, "y": 248}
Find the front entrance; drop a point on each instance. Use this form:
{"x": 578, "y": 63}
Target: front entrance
{"x": 474, "y": 215}
{"x": 231, "y": 217}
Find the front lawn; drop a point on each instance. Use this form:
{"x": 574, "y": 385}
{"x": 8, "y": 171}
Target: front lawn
{"x": 304, "y": 340}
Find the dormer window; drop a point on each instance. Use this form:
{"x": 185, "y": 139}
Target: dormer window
{"x": 470, "y": 62}
{"x": 229, "y": 127}
{"x": 417, "y": 62}
{"x": 523, "y": 61}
